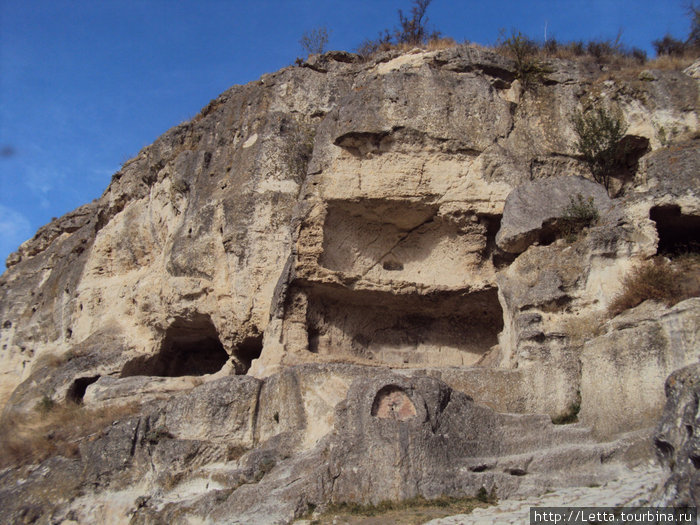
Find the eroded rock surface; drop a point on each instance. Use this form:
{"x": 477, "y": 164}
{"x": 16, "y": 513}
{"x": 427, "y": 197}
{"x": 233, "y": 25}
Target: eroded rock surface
{"x": 676, "y": 442}
{"x": 345, "y": 282}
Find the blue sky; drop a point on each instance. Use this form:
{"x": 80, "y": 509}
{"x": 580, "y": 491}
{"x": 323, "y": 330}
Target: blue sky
{"x": 84, "y": 85}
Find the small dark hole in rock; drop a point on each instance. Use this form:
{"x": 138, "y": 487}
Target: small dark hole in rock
{"x": 479, "y": 468}
{"x": 696, "y": 461}
{"x": 547, "y": 237}
{"x": 689, "y": 430}
{"x": 248, "y": 350}
{"x": 664, "y": 448}
{"x": 517, "y": 472}
{"x": 7, "y": 324}
{"x": 76, "y": 392}
{"x": 313, "y": 334}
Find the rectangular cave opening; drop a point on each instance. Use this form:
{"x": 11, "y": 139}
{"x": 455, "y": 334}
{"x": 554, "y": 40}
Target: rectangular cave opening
{"x": 444, "y": 328}
{"x": 190, "y": 347}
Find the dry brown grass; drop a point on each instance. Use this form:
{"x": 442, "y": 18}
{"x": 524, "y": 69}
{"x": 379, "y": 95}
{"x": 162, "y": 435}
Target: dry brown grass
{"x": 436, "y": 44}
{"x": 52, "y": 430}
{"x": 671, "y": 63}
{"x": 410, "y": 511}
{"x": 581, "y": 328}
{"x": 660, "y": 279}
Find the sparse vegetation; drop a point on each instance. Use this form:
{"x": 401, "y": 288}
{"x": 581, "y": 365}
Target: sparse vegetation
{"x": 298, "y": 147}
{"x": 655, "y": 279}
{"x": 154, "y": 435}
{"x": 571, "y": 414}
{"x": 690, "y": 47}
{"x": 27, "y": 438}
{"x": 487, "y": 497}
{"x": 670, "y": 46}
{"x": 45, "y": 404}
{"x": 581, "y": 328}
{"x": 412, "y": 32}
{"x": 314, "y": 41}
{"x": 600, "y": 131}
{"x": 413, "y": 510}
{"x": 529, "y": 69}
{"x": 579, "y": 214}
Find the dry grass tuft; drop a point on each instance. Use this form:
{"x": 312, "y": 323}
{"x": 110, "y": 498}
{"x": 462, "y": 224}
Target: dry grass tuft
{"x": 52, "y": 430}
{"x": 581, "y": 328}
{"x": 414, "y": 510}
{"x": 671, "y": 63}
{"x": 436, "y": 44}
{"x": 659, "y": 279}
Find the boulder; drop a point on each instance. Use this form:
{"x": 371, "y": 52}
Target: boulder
{"x": 532, "y": 209}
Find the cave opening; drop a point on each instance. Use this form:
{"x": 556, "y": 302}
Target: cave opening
{"x": 443, "y": 328}
{"x": 76, "y": 391}
{"x": 191, "y": 347}
{"x": 248, "y": 350}
{"x": 678, "y": 233}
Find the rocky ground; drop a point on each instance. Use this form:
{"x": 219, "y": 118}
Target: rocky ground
{"x": 631, "y": 490}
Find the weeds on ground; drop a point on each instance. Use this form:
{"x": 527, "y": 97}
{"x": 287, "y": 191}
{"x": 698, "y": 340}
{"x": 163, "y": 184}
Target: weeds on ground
{"x": 52, "y": 429}
{"x": 449, "y": 504}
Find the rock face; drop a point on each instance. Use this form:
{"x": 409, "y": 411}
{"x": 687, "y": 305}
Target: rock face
{"x": 676, "y": 442}
{"x": 345, "y": 282}
{"x": 532, "y": 209}
{"x": 231, "y": 451}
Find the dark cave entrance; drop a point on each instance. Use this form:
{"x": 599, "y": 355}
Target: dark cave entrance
{"x": 191, "y": 347}
{"x": 76, "y": 391}
{"x": 247, "y": 351}
{"x": 444, "y": 328}
{"x": 678, "y": 233}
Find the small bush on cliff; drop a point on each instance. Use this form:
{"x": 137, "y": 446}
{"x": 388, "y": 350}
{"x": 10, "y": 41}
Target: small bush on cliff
{"x": 528, "y": 68}
{"x": 670, "y": 46}
{"x": 45, "y": 404}
{"x": 656, "y": 279}
{"x": 578, "y": 214}
{"x": 298, "y": 148}
{"x": 600, "y": 132}
{"x": 412, "y": 31}
{"x": 314, "y": 41}
{"x": 571, "y": 414}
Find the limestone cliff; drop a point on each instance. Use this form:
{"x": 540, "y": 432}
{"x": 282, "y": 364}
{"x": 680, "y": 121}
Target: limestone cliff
{"x": 246, "y": 282}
